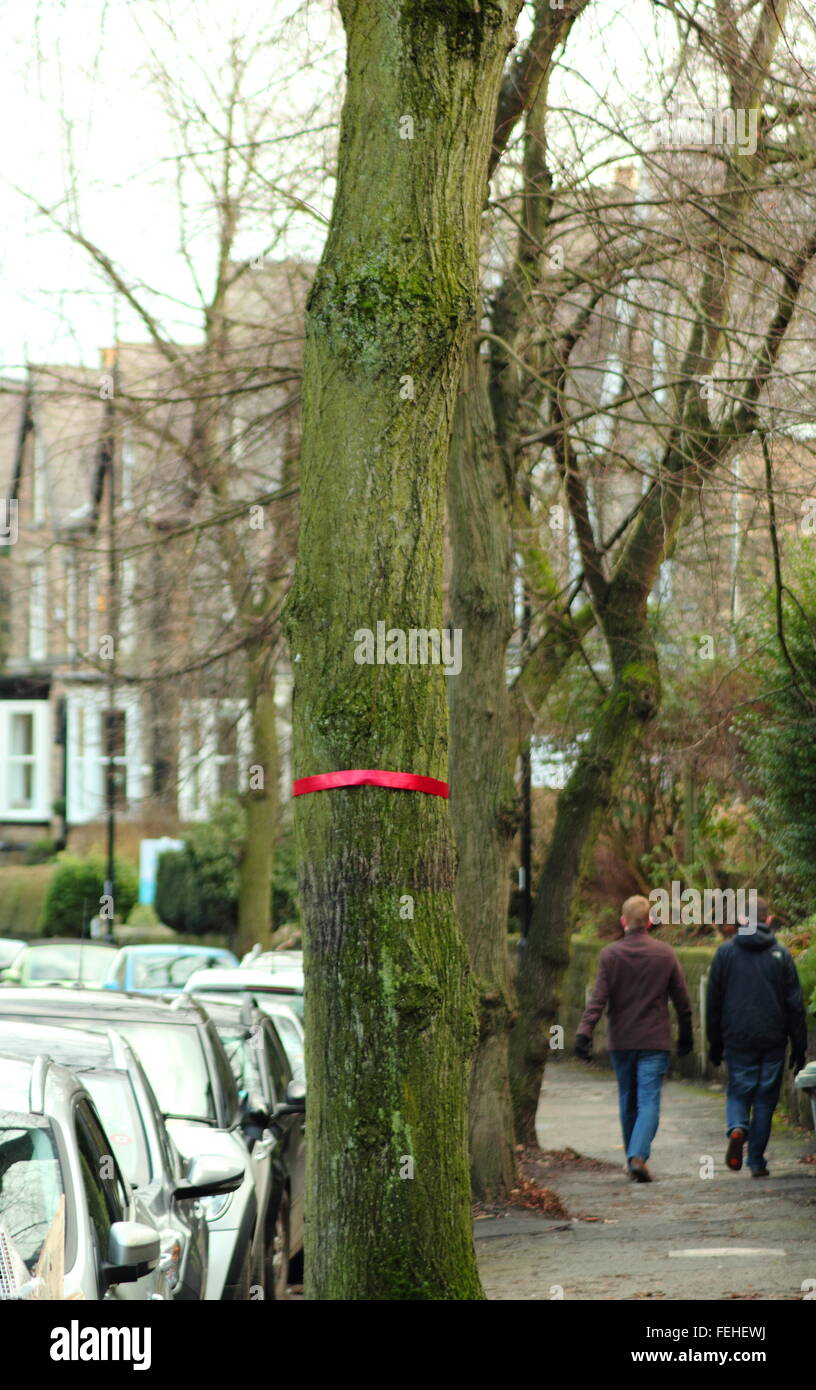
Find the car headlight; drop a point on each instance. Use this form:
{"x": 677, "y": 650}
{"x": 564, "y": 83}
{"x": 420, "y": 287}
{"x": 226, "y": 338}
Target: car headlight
{"x": 215, "y": 1206}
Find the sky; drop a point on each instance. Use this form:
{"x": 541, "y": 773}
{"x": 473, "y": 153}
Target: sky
{"x": 81, "y": 111}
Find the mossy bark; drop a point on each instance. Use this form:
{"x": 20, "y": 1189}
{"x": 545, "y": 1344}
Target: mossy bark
{"x": 484, "y": 803}
{"x": 262, "y": 802}
{"x": 390, "y": 1013}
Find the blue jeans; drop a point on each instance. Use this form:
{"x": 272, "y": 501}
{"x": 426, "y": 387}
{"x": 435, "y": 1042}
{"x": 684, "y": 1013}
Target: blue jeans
{"x": 754, "y": 1081}
{"x": 640, "y": 1080}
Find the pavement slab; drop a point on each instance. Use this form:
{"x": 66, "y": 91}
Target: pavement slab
{"x": 697, "y": 1232}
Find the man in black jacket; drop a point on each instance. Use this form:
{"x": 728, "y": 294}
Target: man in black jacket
{"x": 753, "y": 1006}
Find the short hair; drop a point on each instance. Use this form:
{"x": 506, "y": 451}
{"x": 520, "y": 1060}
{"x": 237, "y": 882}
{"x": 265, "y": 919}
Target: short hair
{"x": 761, "y": 910}
{"x": 636, "y": 911}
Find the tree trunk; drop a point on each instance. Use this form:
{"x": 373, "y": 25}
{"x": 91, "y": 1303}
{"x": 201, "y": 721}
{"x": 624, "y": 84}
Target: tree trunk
{"x": 390, "y": 1017}
{"x": 582, "y": 806}
{"x": 483, "y": 801}
{"x": 262, "y": 802}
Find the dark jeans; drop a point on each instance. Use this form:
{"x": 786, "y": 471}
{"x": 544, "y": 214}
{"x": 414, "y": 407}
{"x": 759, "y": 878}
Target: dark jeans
{"x": 754, "y": 1083}
{"x": 640, "y": 1080}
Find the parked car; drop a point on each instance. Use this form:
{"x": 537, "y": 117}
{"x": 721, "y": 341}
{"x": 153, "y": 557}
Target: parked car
{"x": 190, "y": 1073}
{"x": 54, "y": 961}
{"x": 273, "y": 961}
{"x": 162, "y": 969}
{"x": 285, "y": 985}
{"x": 9, "y": 948}
{"x": 62, "y": 1195}
{"x": 265, "y": 1080}
{"x": 111, "y": 1072}
{"x": 289, "y": 1027}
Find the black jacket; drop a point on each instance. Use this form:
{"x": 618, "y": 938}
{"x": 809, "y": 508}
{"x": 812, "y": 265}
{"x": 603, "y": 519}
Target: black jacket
{"x": 754, "y": 1001}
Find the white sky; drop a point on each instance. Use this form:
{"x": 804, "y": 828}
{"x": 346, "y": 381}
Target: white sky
{"x": 81, "y": 69}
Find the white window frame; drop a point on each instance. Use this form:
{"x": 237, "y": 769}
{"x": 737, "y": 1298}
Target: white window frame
{"x": 70, "y": 578}
{"x": 40, "y": 759}
{"x": 39, "y": 479}
{"x": 85, "y": 712}
{"x": 38, "y": 611}
{"x": 197, "y": 787}
{"x": 127, "y": 471}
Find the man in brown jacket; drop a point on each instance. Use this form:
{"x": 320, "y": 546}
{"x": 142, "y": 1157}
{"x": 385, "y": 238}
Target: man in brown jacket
{"x": 636, "y": 978}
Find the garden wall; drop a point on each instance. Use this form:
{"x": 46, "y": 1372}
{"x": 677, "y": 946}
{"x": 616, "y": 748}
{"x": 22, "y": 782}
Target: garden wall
{"x": 695, "y": 961}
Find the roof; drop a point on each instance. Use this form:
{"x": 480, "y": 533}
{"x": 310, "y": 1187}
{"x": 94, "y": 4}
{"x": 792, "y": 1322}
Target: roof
{"x": 69, "y": 1047}
{"x": 98, "y": 1003}
{"x": 247, "y": 980}
{"x": 15, "y": 1083}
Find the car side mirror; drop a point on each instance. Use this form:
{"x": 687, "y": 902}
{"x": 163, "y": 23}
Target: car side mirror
{"x": 133, "y": 1251}
{"x": 208, "y": 1175}
{"x": 295, "y": 1101}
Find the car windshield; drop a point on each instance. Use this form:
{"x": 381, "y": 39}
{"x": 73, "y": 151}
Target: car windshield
{"x": 118, "y": 1112}
{"x": 167, "y": 971}
{"x": 173, "y": 1057}
{"x": 30, "y": 1185}
{"x": 8, "y": 950}
{"x": 82, "y": 961}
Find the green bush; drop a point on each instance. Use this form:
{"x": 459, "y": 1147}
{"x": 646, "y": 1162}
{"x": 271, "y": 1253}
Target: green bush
{"x": 75, "y": 890}
{"x": 177, "y": 897}
{"x": 806, "y": 966}
{"x": 41, "y": 852}
{"x": 23, "y": 889}
{"x": 197, "y": 887}
{"x": 780, "y": 750}
{"x": 142, "y": 915}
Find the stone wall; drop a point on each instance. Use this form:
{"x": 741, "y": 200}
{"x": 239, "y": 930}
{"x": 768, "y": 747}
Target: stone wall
{"x": 695, "y": 961}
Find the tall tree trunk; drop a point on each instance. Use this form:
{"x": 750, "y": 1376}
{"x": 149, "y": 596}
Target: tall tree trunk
{"x": 582, "y": 806}
{"x": 390, "y": 1018}
{"x": 262, "y": 802}
{"x": 483, "y": 802}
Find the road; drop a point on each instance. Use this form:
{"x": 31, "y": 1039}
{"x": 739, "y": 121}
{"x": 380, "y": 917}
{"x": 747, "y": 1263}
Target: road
{"x": 688, "y": 1235}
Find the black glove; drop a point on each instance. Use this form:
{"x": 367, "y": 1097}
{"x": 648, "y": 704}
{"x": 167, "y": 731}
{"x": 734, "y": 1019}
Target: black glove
{"x": 797, "y": 1061}
{"x": 714, "y": 1056}
{"x": 583, "y": 1047}
{"x": 685, "y": 1041}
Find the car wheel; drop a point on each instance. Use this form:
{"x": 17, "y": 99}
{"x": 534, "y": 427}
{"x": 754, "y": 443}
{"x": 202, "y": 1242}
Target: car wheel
{"x": 277, "y": 1252}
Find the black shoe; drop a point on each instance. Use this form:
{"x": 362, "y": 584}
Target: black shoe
{"x": 763, "y": 1172}
{"x": 733, "y": 1154}
{"x": 638, "y": 1171}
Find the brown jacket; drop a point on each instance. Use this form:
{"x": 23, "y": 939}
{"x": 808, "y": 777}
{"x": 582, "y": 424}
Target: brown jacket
{"x": 636, "y": 978}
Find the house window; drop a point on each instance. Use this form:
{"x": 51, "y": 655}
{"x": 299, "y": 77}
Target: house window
{"x": 89, "y": 721}
{"x": 24, "y": 760}
{"x": 39, "y": 480}
{"x": 128, "y": 465}
{"x": 93, "y": 611}
{"x": 214, "y": 754}
{"x": 71, "y": 605}
{"x": 37, "y": 613}
{"x": 127, "y": 612}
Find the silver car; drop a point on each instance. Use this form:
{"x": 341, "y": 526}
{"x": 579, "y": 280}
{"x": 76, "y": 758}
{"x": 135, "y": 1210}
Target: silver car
{"x": 169, "y": 1189}
{"x": 70, "y": 1226}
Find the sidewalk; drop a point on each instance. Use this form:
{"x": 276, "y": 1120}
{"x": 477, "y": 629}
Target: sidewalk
{"x": 684, "y": 1236}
